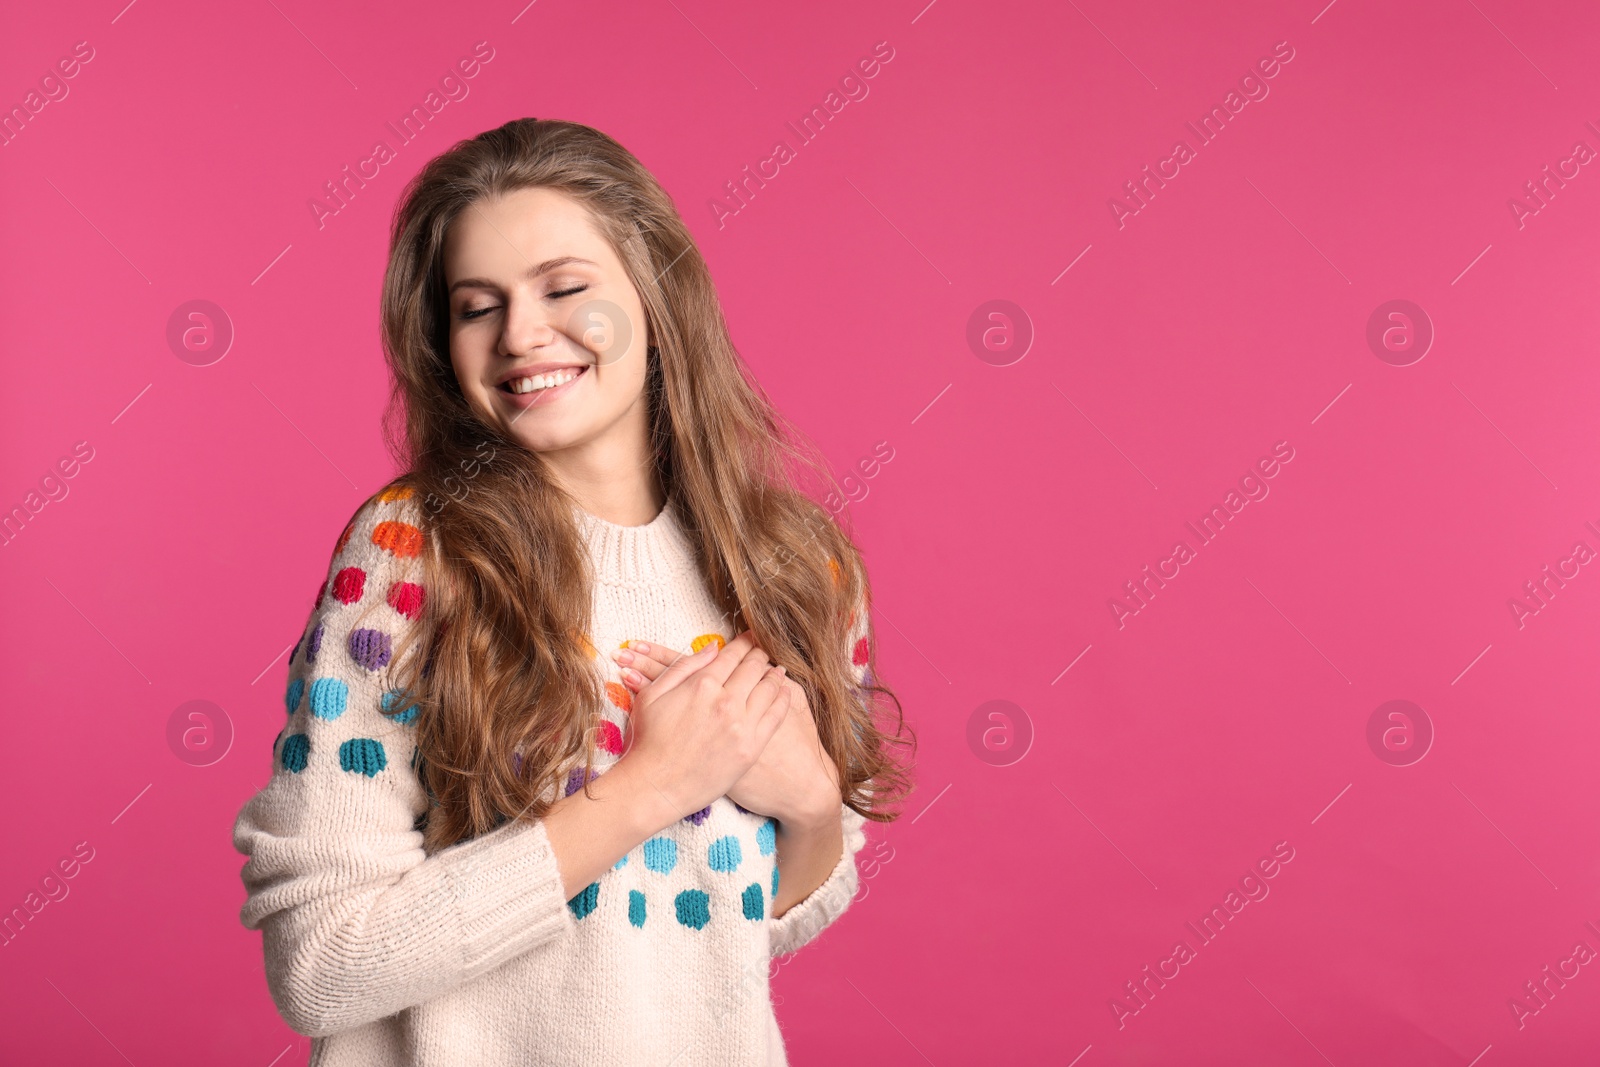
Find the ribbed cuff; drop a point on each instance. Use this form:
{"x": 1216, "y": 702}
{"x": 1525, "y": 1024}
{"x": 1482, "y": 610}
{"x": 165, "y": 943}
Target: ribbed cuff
{"x": 508, "y": 894}
{"x": 809, "y": 917}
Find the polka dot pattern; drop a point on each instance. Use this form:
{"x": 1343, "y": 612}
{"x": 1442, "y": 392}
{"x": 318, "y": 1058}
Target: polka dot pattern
{"x": 315, "y": 645}
{"x": 393, "y": 698}
{"x": 700, "y": 816}
{"x": 623, "y": 862}
{"x": 370, "y": 648}
{"x": 661, "y": 854}
{"x": 724, "y": 854}
{"x": 767, "y": 837}
{"x": 396, "y": 492}
{"x": 296, "y": 748}
{"x": 586, "y": 901}
{"x": 610, "y": 737}
{"x": 291, "y": 699}
{"x": 578, "y": 779}
{"x": 344, "y": 538}
{"x": 619, "y": 695}
{"x": 754, "y": 905}
{"x": 636, "y": 913}
{"x": 859, "y": 656}
{"x": 349, "y": 584}
{"x": 362, "y": 755}
{"x": 693, "y": 907}
{"x": 774, "y": 883}
{"x": 398, "y": 538}
{"x": 328, "y": 697}
{"x": 406, "y": 598}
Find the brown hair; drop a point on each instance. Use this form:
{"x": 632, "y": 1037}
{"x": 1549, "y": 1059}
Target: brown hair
{"x": 509, "y": 666}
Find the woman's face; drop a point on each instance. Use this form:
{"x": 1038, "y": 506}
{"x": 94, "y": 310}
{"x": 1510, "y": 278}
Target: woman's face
{"x": 547, "y": 333}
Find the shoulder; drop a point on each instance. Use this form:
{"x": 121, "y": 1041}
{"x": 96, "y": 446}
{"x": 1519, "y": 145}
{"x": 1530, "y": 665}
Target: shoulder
{"x": 381, "y": 545}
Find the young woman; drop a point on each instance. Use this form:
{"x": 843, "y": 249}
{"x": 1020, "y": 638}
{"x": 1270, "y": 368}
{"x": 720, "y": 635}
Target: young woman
{"x": 583, "y": 728}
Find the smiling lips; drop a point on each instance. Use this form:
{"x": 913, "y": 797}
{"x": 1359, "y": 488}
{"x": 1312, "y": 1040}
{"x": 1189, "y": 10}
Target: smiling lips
{"x": 535, "y": 382}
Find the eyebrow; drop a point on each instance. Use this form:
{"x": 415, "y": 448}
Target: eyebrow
{"x": 532, "y": 272}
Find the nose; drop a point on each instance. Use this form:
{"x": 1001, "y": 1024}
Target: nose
{"x": 528, "y": 327}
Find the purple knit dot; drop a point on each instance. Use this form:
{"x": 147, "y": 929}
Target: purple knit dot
{"x": 316, "y": 644}
{"x": 577, "y": 780}
{"x": 370, "y": 648}
{"x": 700, "y": 816}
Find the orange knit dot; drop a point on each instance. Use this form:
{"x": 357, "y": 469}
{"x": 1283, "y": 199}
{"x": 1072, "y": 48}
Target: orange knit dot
{"x": 833, "y": 566}
{"x": 619, "y": 695}
{"x": 396, "y": 492}
{"x": 401, "y": 538}
{"x": 587, "y": 645}
{"x": 705, "y": 639}
{"x": 344, "y": 538}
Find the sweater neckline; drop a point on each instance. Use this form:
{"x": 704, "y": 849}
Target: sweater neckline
{"x": 658, "y": 549}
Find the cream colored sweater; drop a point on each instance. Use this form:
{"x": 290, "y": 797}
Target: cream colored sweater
{"x": 472, "y": 955}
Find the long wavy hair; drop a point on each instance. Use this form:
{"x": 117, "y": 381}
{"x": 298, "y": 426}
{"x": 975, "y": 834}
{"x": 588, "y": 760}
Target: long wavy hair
{"x": 506, "y": 663}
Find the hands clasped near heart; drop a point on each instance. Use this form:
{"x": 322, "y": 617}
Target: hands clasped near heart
{"x": 725, "y": 722}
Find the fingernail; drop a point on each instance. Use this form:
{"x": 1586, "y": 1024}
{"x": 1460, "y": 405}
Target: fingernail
{"x": 632, "y": 675}
{"x": 622, "y": 655}
{"x": 640, "y": 645}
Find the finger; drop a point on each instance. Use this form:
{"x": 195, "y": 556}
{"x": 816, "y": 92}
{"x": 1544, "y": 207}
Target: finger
{"x": 683, "y": 667}
{"x": 729, "y": 657}
{"x": 771, "y": 719}
{"x": 746, "y": 673}
{"x": 649, "y": 660}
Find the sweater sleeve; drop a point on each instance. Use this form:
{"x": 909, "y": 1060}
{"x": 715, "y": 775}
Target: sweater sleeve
{"x": 809, "y": 917}
{"x": 357, "y": 921}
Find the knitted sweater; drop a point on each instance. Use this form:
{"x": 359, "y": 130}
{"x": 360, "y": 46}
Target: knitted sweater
{"x": 385, "y": 954}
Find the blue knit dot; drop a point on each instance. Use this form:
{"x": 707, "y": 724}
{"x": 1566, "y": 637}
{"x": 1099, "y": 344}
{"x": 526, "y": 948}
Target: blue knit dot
{"x": 774, "y": 883}
{"x": 694, "y": 908}
{"x": 767, "y": 837}
{"x": 753, "y": 903}
{"x": 362, "y": 755}
{"x": 328, "y": 697}
{"x": 724, "y": 854}
{"x": 296, "y": 747}
{"x": 636, "y": 907}
{"x": 392, "y": 698}
{"x": 291, "y": 699}
{"x": 661, "y": 854}
{"x": 586, "y": 901}
{"x": 623, "y": 862}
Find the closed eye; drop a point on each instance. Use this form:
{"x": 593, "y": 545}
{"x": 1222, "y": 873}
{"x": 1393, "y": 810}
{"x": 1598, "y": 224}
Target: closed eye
{"x": 476, "y": 313}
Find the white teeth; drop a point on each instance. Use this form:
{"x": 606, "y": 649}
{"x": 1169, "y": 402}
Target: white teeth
{"x": 543, "y": 381}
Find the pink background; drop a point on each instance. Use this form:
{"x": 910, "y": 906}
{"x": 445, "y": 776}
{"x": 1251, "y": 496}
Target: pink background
{"x": 1230, "y": 713}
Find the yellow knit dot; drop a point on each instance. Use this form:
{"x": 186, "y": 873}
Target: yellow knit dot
{"x": 587, "y": 645}
{"x": 833, "y": 565}
{"x": 396, "y": 492}
{"x": 705, "y": 639}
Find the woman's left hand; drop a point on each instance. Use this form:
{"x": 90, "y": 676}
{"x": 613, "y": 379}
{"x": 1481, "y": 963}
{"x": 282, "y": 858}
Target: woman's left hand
{"x": 793, "y": 781}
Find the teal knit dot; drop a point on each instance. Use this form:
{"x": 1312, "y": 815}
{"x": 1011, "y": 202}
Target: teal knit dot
{"x": 586, "y": 901}
{"x": 724, "y": 854}
{"x": 694, "y": 908}
{"x": 774, "y": 883}
{"x": 636, "y": 908}
{"x": 362, "y": 755}
{"x": 328, "y": 697}
{"x": 767, "y": 837}
{"x": 393, "y": 698}
{"x": 291, "y": 699}
{"x": 296, "y": 747}
{"x": 623, "y": 862}
{"x": 753, "y": 903}
{"x": 661, "y": 854}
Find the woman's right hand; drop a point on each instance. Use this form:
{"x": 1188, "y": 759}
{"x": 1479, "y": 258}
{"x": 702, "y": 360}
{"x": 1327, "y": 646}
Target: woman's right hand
{"x": 698, "y": 727}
